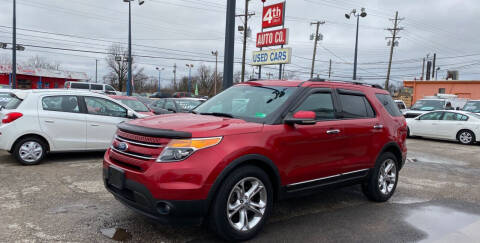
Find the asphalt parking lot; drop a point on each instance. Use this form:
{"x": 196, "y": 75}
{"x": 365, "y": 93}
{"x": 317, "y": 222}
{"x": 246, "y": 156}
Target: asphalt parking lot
{"x": 437, "y": 200}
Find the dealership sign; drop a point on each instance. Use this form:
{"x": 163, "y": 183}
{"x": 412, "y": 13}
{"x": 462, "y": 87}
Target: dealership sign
{"x": 273, "y": 15}
{"x": 271, "y": 57}
{"x": 272, "y": 38}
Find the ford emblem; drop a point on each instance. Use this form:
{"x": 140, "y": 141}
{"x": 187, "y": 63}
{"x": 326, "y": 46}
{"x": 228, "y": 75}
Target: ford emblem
{"x": 122, "y": 147}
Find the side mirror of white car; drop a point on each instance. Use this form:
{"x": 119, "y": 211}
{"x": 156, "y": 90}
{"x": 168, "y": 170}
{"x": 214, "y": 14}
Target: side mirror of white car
{"x": 131, "y": 114}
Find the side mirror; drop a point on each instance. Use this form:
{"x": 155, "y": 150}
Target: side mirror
{"x": 131, "y": 115}
{"x": 302, "y": 118}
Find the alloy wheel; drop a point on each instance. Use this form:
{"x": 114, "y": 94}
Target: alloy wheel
{"x": 387, "y": 176}
{"x": 246, "y": 204}
{"x": 465, "y": 137}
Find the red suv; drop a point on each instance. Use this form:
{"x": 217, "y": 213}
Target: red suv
{"x": 236, "y": 154}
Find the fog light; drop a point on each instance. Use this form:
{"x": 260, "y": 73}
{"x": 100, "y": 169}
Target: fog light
{"x": 163, "y": 208}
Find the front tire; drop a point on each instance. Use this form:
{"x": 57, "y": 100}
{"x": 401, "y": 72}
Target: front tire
{"x": 466, "y": 137}
{"x": 242, "y": 204}
{"x": 382, "y": 180}
{"x": 29, "y": 151}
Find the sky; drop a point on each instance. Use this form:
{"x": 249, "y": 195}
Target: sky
{"x": 168, "y": 32}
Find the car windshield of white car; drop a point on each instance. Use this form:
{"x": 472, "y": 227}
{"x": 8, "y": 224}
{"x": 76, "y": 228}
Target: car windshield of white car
{"x": 428, "y": 105}
{"x": 472, "y": 106}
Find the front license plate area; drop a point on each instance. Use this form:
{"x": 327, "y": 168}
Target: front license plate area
{"x": 116, "y": 177}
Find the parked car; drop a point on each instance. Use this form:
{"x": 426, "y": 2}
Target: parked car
{"x": 448, "y": 125}
{"x": 94, "y": 87}
{"x": 182, "y": 95}
{"x": 159, "y": 95}
{"x": 254, "y": 143}
{"x": 134, "y": 103}
{"x": 472, "y": 106}
{"x": 144, "y": 100}
{"x": 37, "y": 122}
{"x": 4, "y": 97}
{"x": 426, "y": 105}
{"x": 174, "y": 105}
{"x": 401, "y": 106}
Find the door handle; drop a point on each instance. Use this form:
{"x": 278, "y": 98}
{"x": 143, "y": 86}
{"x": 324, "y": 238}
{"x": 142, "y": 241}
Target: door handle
{"x": 95, "y": 125}
{"x": 333, "y": 131}
{"x": 49, "y": 121}
{"x": 378, "y": 126}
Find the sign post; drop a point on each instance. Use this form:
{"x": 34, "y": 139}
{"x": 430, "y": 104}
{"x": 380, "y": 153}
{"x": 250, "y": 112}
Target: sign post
{"x": 272, "y": 16}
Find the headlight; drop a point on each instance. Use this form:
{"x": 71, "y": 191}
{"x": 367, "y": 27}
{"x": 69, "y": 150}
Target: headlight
{"x": 180, "y": 149}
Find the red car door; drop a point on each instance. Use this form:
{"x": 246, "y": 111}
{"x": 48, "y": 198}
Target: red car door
{"x": 312, "y": 152}
{"x": 362, "y": 126}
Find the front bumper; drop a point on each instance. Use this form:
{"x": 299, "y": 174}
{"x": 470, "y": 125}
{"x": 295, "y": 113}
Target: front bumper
{"x": 137, "y": 197}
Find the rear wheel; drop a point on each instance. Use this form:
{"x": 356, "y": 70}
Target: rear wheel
{"x": 382, "y": 180}
{"x": 242, "y": 204}
{"x": 29, "y": 151}
{"x": 466, "y": 137}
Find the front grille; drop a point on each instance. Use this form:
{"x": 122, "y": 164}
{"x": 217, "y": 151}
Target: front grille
{"x": 136, "y": 152}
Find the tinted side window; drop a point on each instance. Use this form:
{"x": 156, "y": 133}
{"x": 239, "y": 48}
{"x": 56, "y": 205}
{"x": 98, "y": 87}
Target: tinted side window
{"x": 80, "y": 86}
{"x": 356, "y": 106}
{"x": 321, "y": 104}
{"x": 61, "y": 104}
{"x": 432, "y": 116}
{"x": 96, "y": 87}
{"x": 387, "y": 102}
{"x": 103, "y": 107}
{"x": 109, "y": 88}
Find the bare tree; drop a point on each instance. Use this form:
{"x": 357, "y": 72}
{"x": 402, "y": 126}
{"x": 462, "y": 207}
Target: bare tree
{"x": 41, "y": 62}
{"x": 118, "y": 69}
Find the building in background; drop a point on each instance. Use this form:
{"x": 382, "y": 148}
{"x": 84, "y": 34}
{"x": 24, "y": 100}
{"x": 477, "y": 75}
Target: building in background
{"x": 39, "y": 78}
{"x": 469, "y": 89}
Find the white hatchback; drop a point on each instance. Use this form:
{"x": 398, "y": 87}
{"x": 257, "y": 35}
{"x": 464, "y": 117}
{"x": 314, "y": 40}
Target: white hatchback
{"x": 35, "y": 122}
{"x": 449, "y": 125}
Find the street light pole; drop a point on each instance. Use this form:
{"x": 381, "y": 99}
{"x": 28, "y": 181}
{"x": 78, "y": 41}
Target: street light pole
{"x": 189, "y": 66}
{"x": 129, "y": 78}
{"x": 363, "y": 14}
{"x": 14, "y": 47}
{"x": 160, "y": 78}
{"x": 215, "y": 53}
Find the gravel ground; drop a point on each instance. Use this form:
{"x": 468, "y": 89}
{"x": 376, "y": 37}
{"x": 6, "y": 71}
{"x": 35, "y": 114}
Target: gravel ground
{"x": 437, "y": 200}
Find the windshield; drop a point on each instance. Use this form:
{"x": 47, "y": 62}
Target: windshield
{"x": 472, "y": 106}
{"x": 428, "y": 105}
{"x": 135, "y": 105}
{"x": 187, "y": 105}
{"x": 252, "y": 103}
{"x": 4, "y": 98}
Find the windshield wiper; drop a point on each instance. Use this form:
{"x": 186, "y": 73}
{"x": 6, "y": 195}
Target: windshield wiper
{"x": 218, "y": 114}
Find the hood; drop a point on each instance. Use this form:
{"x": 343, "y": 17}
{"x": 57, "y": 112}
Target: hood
{"x": 148, "y": 113}
{"x": 199, "y": 125}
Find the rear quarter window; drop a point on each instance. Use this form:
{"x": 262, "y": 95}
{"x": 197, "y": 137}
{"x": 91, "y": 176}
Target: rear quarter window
{"x": 13, "y": 103}
{"x": 389, "y": 105}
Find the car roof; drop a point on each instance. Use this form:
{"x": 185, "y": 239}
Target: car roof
{"x": 122, "y": 97}
{"x": 302, "y": 83}
{"x": 22, "y": 94}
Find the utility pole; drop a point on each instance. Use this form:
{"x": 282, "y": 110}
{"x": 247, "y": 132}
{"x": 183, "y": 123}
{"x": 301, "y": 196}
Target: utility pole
{"x": 433, "y": 64}
{"x": 14, "y": 47}
{"x": 189, "y": 66}
{"x": 246, "y": 15}
{"x": 175, "y": 77}
{"x": 423, "y": 69}
{"x": 330, "y": 69}
{"x": 229, "y": 51}
{"x": 215, "y": 53}
{"x": 393, "y": 42}
{"x": 96, "y": 71}
{"x": 316, "y": 38}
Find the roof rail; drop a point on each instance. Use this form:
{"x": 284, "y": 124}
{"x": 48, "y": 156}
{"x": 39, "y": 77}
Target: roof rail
{"x": 317, "y": 79}
{"x": 356, "y": 82}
